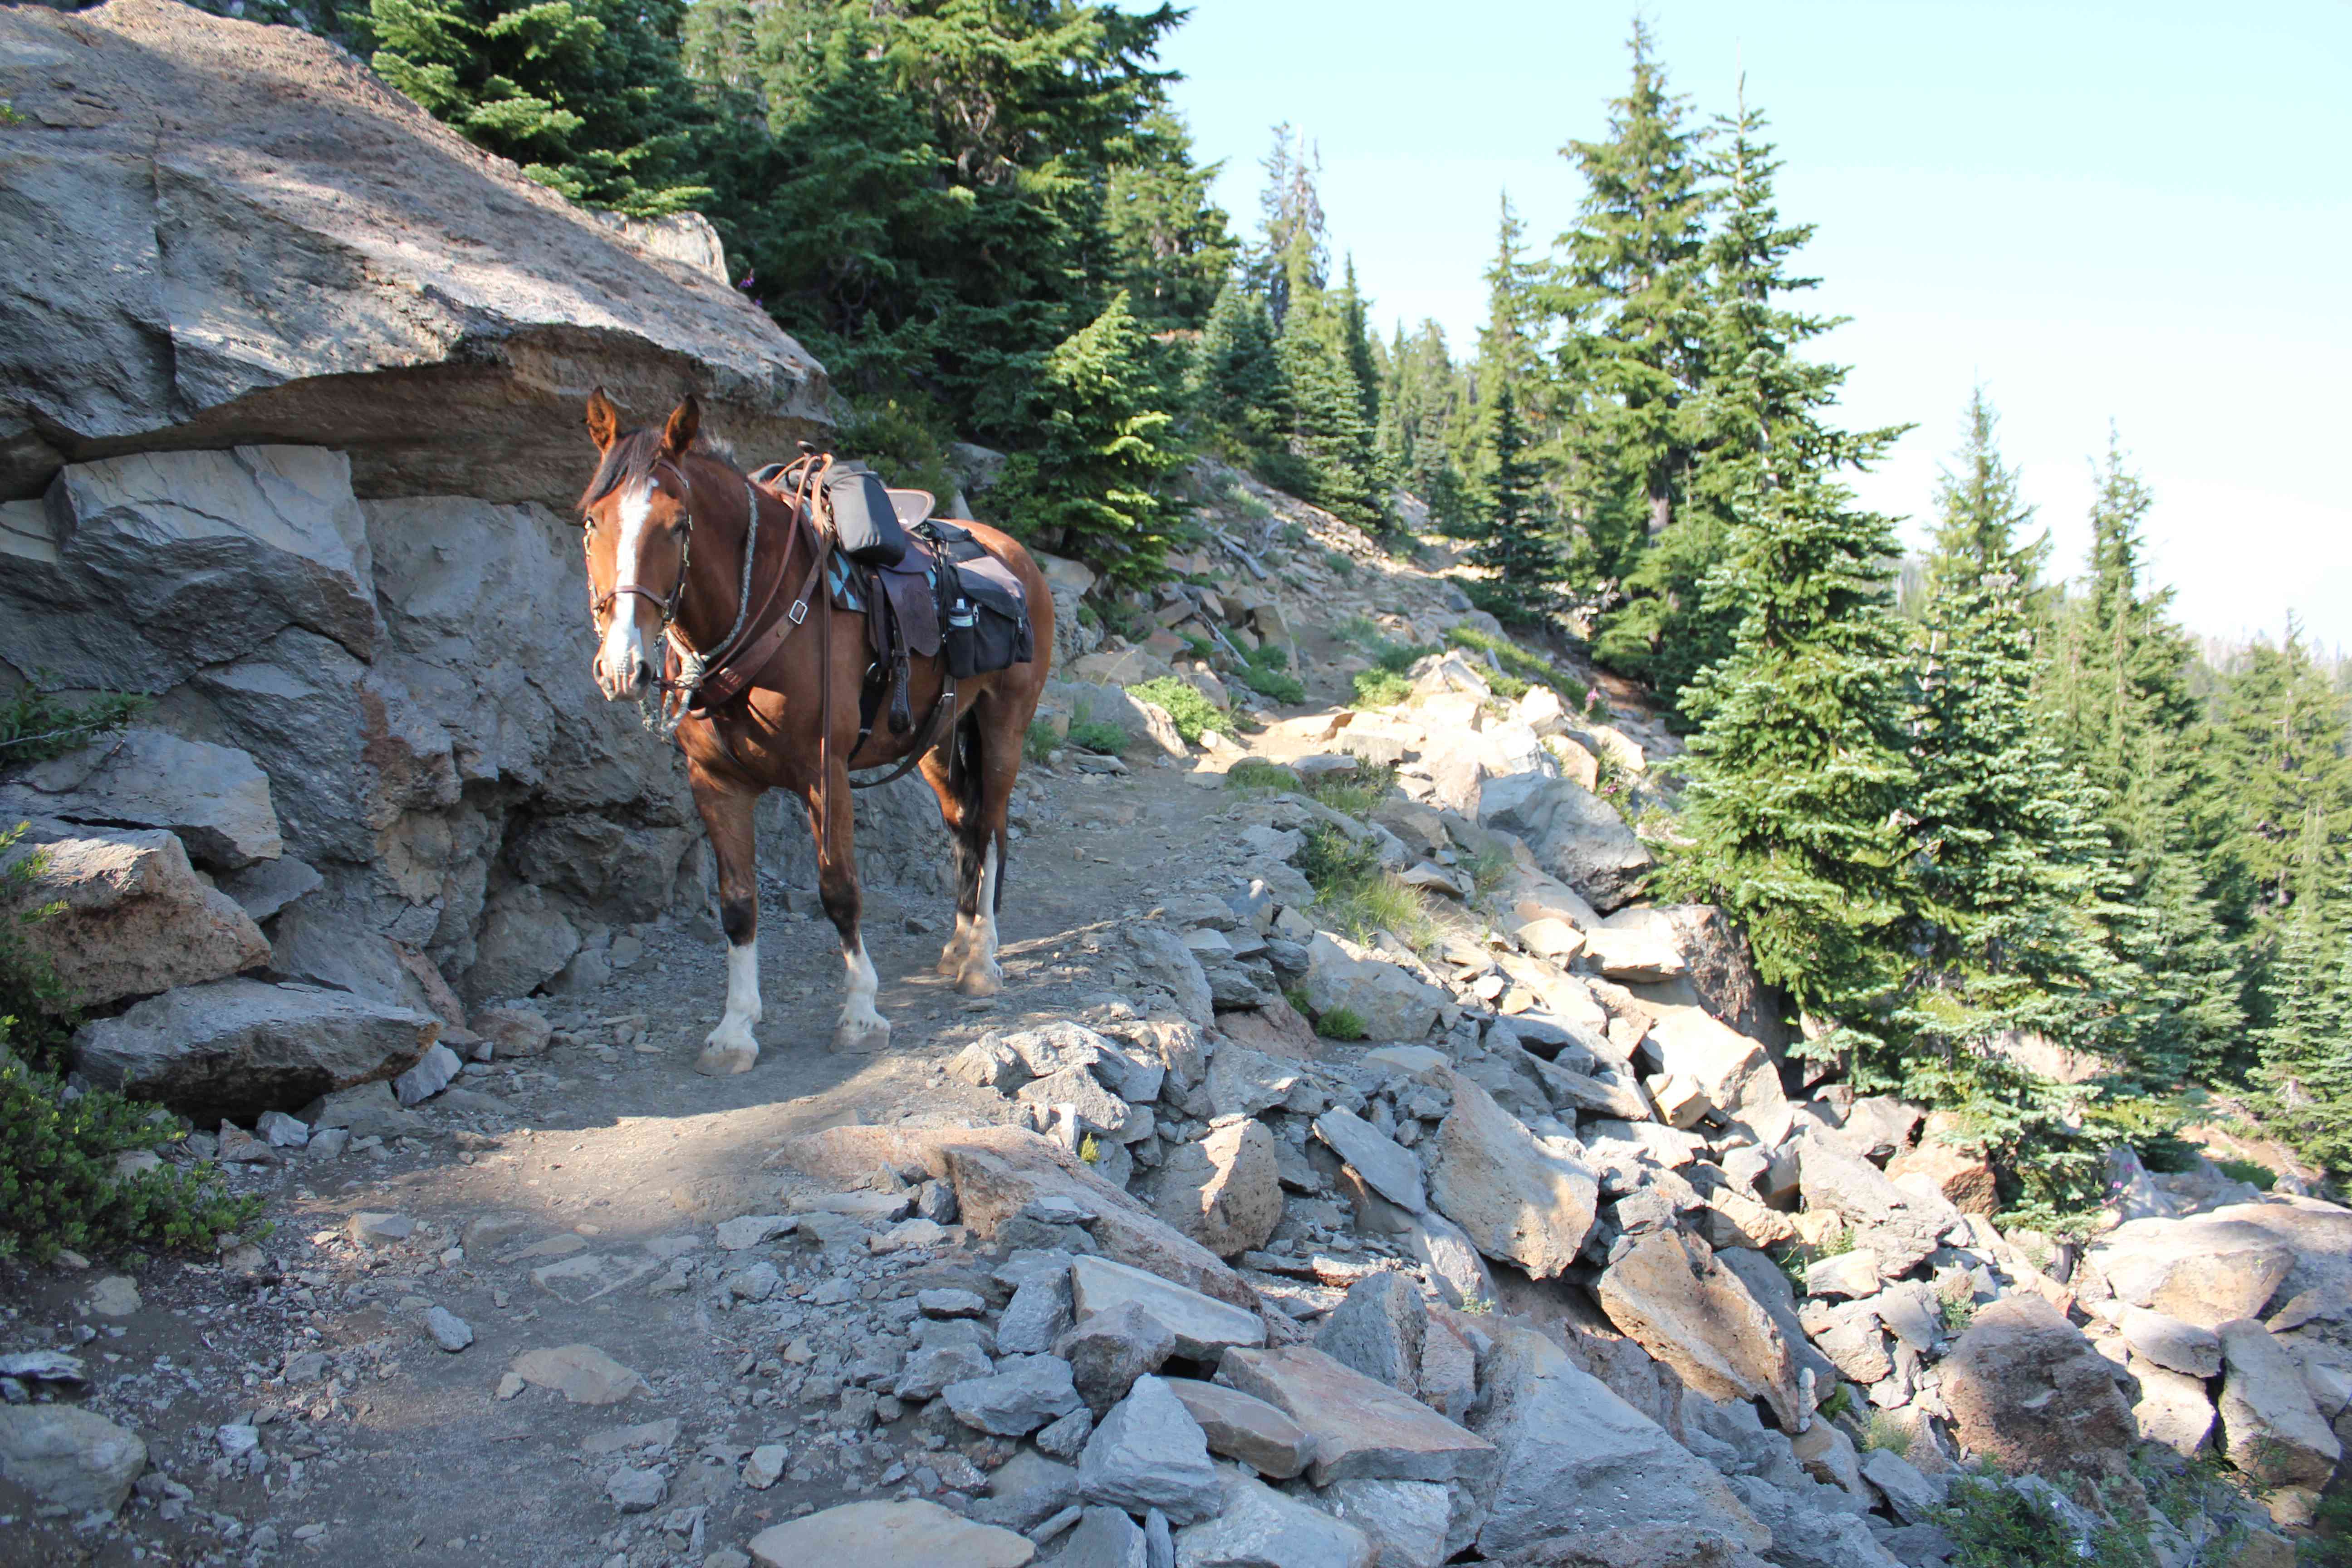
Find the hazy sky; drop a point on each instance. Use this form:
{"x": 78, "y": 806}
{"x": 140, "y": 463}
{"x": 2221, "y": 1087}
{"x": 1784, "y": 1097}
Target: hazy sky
{"x": 2137, "y": 214}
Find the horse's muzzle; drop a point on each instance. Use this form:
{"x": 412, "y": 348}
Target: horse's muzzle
{"x": 622, "y": 672}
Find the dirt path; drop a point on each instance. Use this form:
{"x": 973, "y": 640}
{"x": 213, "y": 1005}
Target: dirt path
{"x": 614, "y": 1161}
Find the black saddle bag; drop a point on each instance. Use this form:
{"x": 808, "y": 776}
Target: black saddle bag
{"x": 863, "y": 516}
{"x": 986, "y": 627}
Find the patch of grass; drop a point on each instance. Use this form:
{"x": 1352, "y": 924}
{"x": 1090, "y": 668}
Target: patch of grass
{"x": 1885, "y": 1432}
{"x": 1382, "y": 902}
{"x": 1088, "y": 615}
{"x": 1257, "y": 772}
{"x": 1340, "y": 1024}
{"x": 1275, "y": 684}
{"x": 1040, "y": 740}
{"x": 1293, "y": 533}
{"x": 1840, "y": 1399}
{"x": 1506, "y": 685}
{"x": 1517, "y": 661}
{"x": 1958, "y": 1306}
{"x": 2252, "y": 1171}
{"x": 1193, "y": 712}
{"x": 1200, "y": 646}
{"x": 1487, "y": 869}
{"x": 1354, "y": 795}
{"x": 1099, "y": 735}
{"x": 1381, "y": 689}
{"x": 1296, "y": 997}
{"x": 1343, "y": 567}
{"x": 1270, "y": 656}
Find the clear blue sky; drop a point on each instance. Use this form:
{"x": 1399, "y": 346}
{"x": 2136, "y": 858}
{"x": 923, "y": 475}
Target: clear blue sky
{"x": 2135, "y": 212}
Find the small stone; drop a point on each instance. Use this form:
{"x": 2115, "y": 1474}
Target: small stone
{"x": 375, "y": 1228}
{"x": 950, "y": 1303}
{"x": 752, "y": 1230}
{"x": 933, "y": 1367}
{"x": 1852, "y": 1275}
{"x": 756, "y": 1283}
{"x": 114, "y": 1296}
{"x": 581, "y": 1372}
{"x": 1203, "y": 1326}
{"x": 449, "y": 1331}
{"x": 1244, "y": 1427}
{"x": 1105, "y": 1538}
{"x": 68, "y": 1458}
{"x": 431, "y": 1075}
{"x": 238, "y": 1147}
{"x": 766, "y": 1465}
{"x": 636, "y": 1491}
{"x": 1066, "y": 1437}
{"x": 1108, "y": 1350}
{"x": 282, "y": 1130}
{"x": 1022, "y": 1395}
{"x": 510, "y": 1384}
{"x": 1378, "y": 1330}
{"x": 1257, "y": 1526}
{"x": 1038, "y": 1312}
{"x": 911, "y": 1534}
{"x": 1149, "y": 1452}
{"x": 328, "y": 1143}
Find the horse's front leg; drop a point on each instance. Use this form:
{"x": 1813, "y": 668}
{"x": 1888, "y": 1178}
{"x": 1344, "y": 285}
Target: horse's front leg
{"x": 727, "y": 811}
{"x": 859, "y": 1028}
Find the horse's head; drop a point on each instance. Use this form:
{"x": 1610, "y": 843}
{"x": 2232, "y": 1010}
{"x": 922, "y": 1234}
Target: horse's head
{"x": 638, "y": 532}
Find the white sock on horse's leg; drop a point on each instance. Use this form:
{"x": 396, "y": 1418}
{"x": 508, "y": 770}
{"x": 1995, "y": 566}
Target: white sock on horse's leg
{"x": 980, "y": 975}
{"x": 952, "y": 955}
{"x": 731, "y": 1048}
{"x": 860, "y": 1026}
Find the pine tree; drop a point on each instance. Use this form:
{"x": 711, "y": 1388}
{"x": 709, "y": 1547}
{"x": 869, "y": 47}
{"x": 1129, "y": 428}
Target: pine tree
{"x": 1798, "y": 767}
{"x": 1294, "y": 259}
{"x": 1516, "y": 542}
{"x": 2304, "y": 1081}
{"x": 1759, "y": 402}
{"x": 587, "y": 96}
{"x": 1170, "y": 249}
{"x": 2118, "y": 697}
{"x": 1356, "y": 343}
{"x": 1236, "y": 380}
{"x": 1093, "y": 484}
{"x": 1627, "y": 286}
{"x": 2007, "y": 874}
{"x": 1330, "y": 446}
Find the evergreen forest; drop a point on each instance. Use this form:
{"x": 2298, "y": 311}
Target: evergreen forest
{"x": 1957, "y": 803}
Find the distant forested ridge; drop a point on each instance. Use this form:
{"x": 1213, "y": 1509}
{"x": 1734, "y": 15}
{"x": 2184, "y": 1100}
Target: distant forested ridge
{"x": 1957, "y": 803}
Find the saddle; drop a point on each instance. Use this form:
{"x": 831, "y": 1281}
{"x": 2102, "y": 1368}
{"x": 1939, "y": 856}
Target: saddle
{"x": 921, "y": 585}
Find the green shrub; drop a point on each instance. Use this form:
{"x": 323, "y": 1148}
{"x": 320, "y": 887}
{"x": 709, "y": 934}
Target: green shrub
{"x": 1994, "y": 1525}
{"x": 1099, "y": 735}
{"x": 57, "y": 1148}
{"x": 899, "y": 438}
{"x": 1381, "y": 689}
{"x": 1487, "y": 870}
{"x": 36, "y": 725}
{"x": 1088, "y": 615}
{"x": 1275, "y": 684}
{"x": 1340, "y": 1024}
{"x": 1198, "y": 646}
{"x": 1193, "y": 712}
{"x": 1382, "y": 902}
{"x": 1332, "y": 861}
{"x": 1257, "y": 772}
{"x": 1270, "y": 656}
{"x": 1354, "y": 795}
{"x": 1040, "y": 740}
{"x": 1343, "y": 565}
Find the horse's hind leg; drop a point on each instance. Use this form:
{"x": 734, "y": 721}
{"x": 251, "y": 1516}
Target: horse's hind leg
{"x": 726, "y": 814}
{"x": 859, "y": 1028}
{"x": 992, "y": 764}
{"x": 949, "y": 782}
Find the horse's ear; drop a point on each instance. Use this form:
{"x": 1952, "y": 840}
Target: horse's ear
{"x": 604, "y": 420}
{"x": 684, "y": 421}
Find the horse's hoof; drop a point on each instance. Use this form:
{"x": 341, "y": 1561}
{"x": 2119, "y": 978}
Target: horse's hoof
{"x": 725, "y": 1061}
{"x": 861, "y": 1039}
{"x": 951, "y": 958}
{"x": 980, "y": 977}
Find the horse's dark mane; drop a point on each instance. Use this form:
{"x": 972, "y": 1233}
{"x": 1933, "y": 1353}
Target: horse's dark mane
{"x": 633, "y": 456}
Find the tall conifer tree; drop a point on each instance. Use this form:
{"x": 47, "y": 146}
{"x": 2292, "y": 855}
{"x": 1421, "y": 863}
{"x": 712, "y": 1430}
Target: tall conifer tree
{"x": 2009, "y": 872}
{"x": 1516, "y": 540}
{"x": 1798, "y": 767}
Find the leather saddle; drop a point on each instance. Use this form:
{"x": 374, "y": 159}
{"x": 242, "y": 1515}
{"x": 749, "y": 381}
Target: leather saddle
{"x": 901, "y": 604}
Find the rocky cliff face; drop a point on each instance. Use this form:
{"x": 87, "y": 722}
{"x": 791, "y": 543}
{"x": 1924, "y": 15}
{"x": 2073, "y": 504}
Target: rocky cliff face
{"x": 291, "y": 380}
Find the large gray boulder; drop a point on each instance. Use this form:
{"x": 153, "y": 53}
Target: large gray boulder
{"x": 1574, "y": 834}
{"x": 210, "y": 161}
{"x": 170, "y": 562}
{"x": 238, "y": 1047}
{"x": 1670, "y": 1295}
{"x": 135, "y": 919}
{"x": 1577, "y": 1460}
{"x": 1519, "y": 1198}
{"x": 68, "y": 1458}
{"x": 212, "y": 798}
{"x": 1225, "y": 1191}
{"x": 2027, "y": 1391}
{"x": 1391, "y": 1004}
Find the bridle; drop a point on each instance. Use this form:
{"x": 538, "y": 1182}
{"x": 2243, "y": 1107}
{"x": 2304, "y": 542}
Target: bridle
{"x": 677, "y": 694}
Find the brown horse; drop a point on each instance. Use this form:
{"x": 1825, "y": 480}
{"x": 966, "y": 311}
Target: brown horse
{"x": 666, "y": 524}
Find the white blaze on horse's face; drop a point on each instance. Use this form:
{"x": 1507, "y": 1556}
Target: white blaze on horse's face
{"x": 625, "y": 661}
